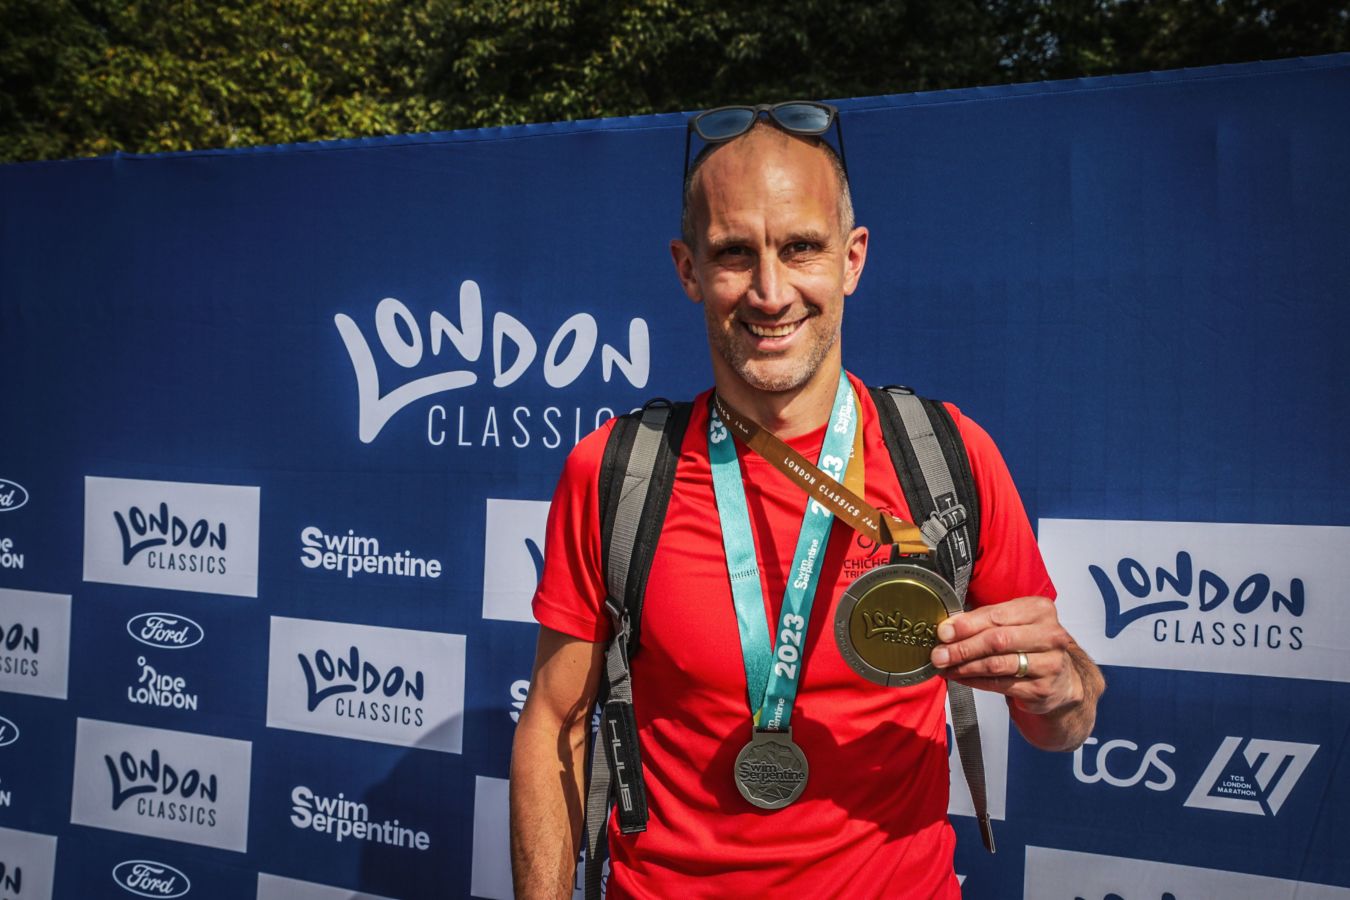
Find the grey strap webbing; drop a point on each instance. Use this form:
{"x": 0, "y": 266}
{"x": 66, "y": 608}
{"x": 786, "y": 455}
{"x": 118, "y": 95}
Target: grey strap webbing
{"x": 943, "y": 529}
{"x": 616, "y": 748}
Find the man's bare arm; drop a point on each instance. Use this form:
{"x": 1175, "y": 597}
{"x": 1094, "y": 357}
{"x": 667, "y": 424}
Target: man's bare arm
{"x": 547, "y": 761}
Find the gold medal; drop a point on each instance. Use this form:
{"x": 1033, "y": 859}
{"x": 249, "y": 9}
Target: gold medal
{"x": 886, "y": 623}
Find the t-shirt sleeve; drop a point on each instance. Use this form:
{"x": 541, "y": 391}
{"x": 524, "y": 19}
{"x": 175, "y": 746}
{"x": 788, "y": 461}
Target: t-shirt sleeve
{"x": 1008, "y": 563}
{"x": 571, "y": 594}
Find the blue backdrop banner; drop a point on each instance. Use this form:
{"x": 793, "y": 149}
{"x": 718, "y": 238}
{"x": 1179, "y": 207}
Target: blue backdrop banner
{"x": 280, "y": 427}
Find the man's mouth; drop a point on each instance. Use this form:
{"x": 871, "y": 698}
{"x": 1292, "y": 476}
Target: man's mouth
{"x": 773, "y": 331}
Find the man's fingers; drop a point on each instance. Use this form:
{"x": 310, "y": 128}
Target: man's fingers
{"x": 1019, "y": 611}
{"x": 1000, "y": 642}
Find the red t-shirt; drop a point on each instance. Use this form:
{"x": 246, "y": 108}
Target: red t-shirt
{"x": 872, "y": 820}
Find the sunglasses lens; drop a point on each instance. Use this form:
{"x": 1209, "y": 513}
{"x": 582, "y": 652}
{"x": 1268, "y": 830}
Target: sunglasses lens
{"x": 721, "y": 124}
{"x": 803, "y": 118}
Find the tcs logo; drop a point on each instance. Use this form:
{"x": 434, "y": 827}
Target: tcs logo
{"x": 1120, "y": 764}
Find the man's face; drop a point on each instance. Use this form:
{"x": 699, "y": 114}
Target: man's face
{"x": 770, "y": 264}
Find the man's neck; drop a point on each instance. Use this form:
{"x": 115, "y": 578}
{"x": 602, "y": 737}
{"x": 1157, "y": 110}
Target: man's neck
{"x": 786, "y": 414}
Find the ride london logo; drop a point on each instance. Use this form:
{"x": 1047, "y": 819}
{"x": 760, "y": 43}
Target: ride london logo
{"x": 456, "y": 353}
{"x": 13, "y": 496}
{"x": 366, "y": 682}
{"x": 34, "y": 643}
{"x": 172, "y": 535}
{"x": 1226, "y": 598}
{"x": 1251, "y": 776}
{"x": 153, "y": 687}
{"x": 164, "y": 784}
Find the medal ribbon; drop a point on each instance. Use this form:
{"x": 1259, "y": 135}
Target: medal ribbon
{"x": 880, "y": 526}
{"x": 771, "y": 674}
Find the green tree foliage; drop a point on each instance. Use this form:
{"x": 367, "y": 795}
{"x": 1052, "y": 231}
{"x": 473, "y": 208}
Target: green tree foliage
{"x": 82, "y": 77}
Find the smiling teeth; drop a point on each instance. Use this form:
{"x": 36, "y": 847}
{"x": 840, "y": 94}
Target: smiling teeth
{"x": 771, "y": 331}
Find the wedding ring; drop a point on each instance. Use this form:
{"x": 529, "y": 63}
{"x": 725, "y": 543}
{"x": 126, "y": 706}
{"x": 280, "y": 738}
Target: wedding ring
{"x": 1022, "y": 663}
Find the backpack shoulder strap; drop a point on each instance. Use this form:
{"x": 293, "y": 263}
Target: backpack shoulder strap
{"x": 637, "y": 473}
{"x": 933, "y": 468}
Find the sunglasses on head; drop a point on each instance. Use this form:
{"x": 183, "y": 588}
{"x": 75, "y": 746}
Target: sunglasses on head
{"x": 804, "y": 117}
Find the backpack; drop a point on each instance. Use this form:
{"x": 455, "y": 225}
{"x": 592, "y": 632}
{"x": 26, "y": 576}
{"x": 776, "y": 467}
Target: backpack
{"x": 637, "y": 474}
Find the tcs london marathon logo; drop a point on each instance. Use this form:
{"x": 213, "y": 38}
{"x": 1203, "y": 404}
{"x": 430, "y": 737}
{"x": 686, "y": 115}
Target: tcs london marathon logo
{"x": 27, "y": 865}
{"x": 172, "y": 535}
{"x": 366, "y": 682}
{"x": 438, "y": 356}
{"x": 1251, "y": 776}
{"x": 1203, "y": 597}
{"x": 165, "y": 784}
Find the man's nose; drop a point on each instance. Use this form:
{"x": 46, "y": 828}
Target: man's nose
{"x": 771, "y": 288}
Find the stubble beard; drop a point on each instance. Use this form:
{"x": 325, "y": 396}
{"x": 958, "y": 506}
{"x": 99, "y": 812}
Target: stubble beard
{"x": 772, "y": 374}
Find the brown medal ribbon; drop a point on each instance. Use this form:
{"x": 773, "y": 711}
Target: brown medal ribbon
{"x": 880, "y": 526}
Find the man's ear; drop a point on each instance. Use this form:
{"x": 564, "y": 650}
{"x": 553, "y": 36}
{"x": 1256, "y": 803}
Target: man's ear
{"x": 855, "y": 257}
{"x": 683, "y": 257}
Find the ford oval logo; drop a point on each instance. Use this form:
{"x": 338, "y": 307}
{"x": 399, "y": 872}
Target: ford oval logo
{"x": 147, "y": 878}
{"x": 9, "y": 732}
{"x": 12, "y": 495}
{"x": 168, "y": 631}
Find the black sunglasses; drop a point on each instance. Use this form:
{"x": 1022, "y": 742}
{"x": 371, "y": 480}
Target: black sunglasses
{"x": 793, "y": 116}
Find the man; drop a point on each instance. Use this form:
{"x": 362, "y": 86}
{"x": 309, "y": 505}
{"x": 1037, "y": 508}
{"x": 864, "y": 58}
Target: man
{"x": 770, "y": 251}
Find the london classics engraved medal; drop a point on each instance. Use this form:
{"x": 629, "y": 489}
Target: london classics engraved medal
{"x": 886, "y": 623}
{"x": 771, "y": 770}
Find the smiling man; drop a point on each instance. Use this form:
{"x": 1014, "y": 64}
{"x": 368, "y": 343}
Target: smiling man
{"x": 739, "y": 682}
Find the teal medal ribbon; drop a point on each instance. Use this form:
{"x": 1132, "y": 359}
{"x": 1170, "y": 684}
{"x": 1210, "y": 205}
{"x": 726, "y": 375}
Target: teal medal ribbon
{"x": 771, "y": 770}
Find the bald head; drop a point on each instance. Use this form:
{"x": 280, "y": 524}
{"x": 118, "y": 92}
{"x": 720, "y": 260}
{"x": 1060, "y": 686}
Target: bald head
{"x": 743, "y": 156}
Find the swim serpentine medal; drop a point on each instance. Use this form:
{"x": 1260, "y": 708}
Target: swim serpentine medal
{"x": 887, "y": 621}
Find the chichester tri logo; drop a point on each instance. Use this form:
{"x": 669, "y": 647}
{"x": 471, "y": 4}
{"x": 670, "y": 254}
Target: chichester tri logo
{"x": 1257, "y": 781}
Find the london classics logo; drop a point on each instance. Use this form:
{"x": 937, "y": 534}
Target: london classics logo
{"x": 353, "y": 554}
{"x": 569, "y": 352}
{"x": 389, "y": 685}
{"x": 165, "y": 631}
{"x": 12, "y": 495}
{"x": 175, "y": 535}
{"x": 147, "y": 878}
{"x": 9, "y": 732}
{"x": 1183, "y": 583}
{"x": 1254, "y": 777}
{"x": 340, "y": 819}
{"x": 1205, "y": 597}
{"x": 34, "y": 643}
{"x": 166, "y": 784}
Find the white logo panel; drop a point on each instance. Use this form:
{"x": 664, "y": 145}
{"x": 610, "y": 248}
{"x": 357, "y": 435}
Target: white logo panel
{"x": 34, "y": 643}
{"x": 163, "y": 784}
{"x": 370, "y": 683}
{"x": 274, "y": 887}
{"x": 993, "y": 717}
{"x": 1066, "y": 875}
{"x": 27, "y": 859}
{"x": 1204, "y": 597}
{"x": 172, "y": 535}
{"x": 513, "y": 557}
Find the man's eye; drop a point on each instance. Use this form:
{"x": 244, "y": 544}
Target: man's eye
{"x": 800, "y": 247}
